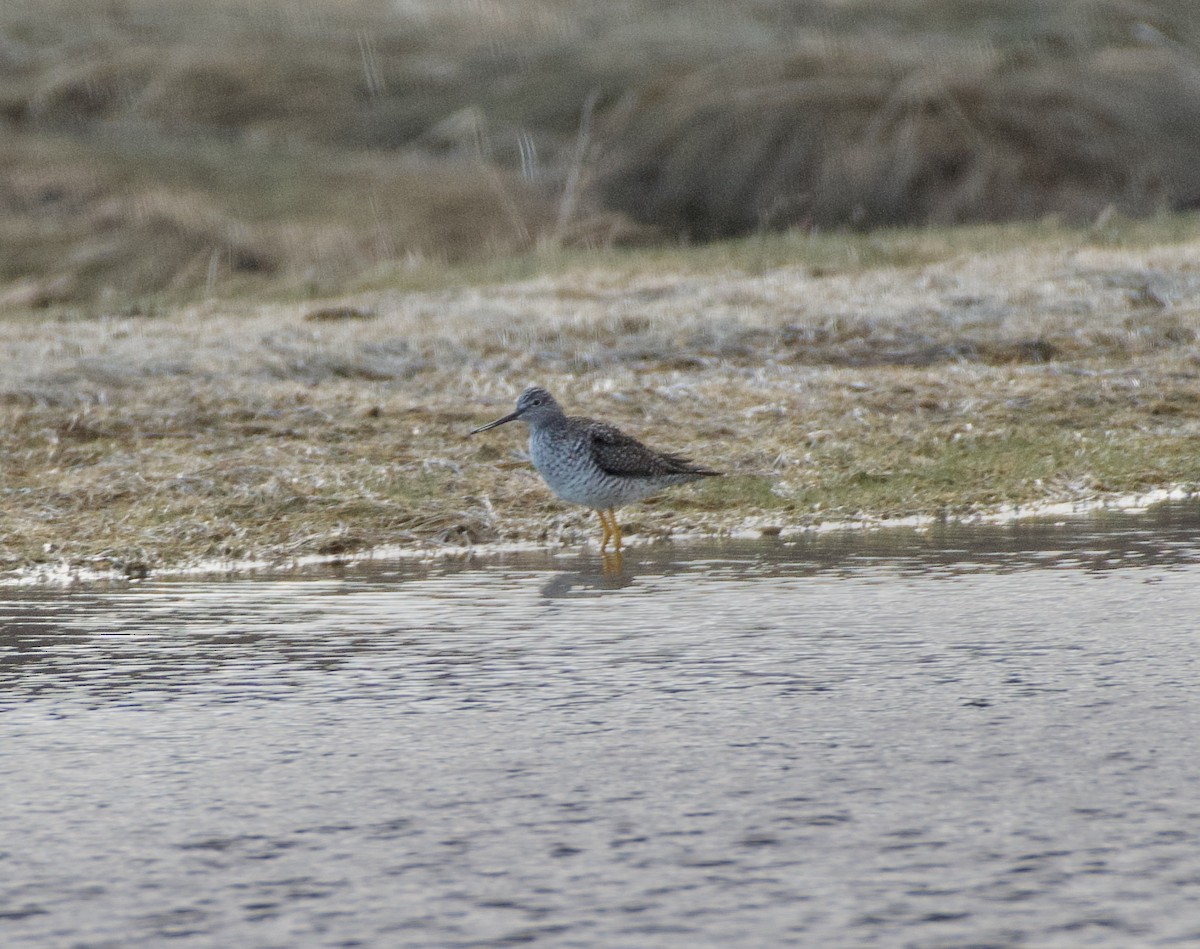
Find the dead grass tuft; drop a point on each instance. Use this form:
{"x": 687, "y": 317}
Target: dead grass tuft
{"x": 94, "y": 223}
{"x": 204, "y": 149}
{"x": 825, "y": 139}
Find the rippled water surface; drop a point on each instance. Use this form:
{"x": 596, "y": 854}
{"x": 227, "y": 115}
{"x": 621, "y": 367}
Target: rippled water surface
{"x": 970, "y": 737}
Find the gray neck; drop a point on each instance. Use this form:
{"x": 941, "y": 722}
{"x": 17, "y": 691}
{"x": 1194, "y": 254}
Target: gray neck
{"x": 544, "y": 421}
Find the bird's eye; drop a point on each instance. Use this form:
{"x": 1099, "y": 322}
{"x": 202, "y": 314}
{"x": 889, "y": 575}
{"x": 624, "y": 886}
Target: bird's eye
{"x": 536, "y": 402}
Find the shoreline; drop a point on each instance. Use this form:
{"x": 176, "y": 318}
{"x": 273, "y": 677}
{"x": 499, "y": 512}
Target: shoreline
{"x": 63, "y": 576}
{"x": 251, "y": 432}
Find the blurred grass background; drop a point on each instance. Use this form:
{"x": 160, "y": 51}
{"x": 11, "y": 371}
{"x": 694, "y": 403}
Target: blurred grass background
{"x": 201, "y": 147}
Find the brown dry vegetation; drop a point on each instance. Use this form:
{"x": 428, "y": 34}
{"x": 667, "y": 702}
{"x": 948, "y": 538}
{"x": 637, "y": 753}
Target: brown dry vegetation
{"x": 200, "y": 148}
{"x": 863, "y": 378}
{"x": 262, "y": 265}
{"x": 873, "y": 136}
{"x": 96, "y": 224}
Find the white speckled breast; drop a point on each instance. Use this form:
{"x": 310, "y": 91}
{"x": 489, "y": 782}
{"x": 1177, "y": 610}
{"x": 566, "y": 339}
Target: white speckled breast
{"x": 563, "y": 458}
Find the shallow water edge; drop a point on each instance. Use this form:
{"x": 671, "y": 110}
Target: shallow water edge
{"x": 65, "y": 574}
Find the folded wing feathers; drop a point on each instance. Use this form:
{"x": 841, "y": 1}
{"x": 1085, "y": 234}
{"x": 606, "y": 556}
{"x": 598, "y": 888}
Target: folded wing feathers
{"x": 624, "y": 456}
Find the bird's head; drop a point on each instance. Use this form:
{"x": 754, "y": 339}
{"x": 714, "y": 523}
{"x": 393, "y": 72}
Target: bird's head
{"x": 535, "y": 405}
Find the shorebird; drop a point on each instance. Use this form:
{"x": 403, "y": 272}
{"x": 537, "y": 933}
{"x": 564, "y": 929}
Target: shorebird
{"x": 593, "y": 463}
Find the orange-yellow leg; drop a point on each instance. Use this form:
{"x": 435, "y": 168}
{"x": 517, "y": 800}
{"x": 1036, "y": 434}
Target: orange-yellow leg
{"x": 604, "y": 527}
{"x": 616, "y": 530}
{"x": 612, "y": 530}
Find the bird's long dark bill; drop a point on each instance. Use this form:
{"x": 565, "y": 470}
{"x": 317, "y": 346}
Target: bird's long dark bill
{"x": 512, "y": 417}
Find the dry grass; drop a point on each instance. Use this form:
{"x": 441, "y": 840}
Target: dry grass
{"x": 100, "y": 223}
{"x": 265, "y": 263}
{"x": 1055, "y": 365}
{"x": 192, "y": 149}
{"x": 879, "y": 136}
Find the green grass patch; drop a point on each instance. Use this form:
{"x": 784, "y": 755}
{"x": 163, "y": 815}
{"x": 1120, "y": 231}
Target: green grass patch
{"x": 738, "y": 492}
{"x": 1017, "y": 467}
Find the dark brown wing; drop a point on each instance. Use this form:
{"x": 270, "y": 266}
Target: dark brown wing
{"x": 623, "y": 456}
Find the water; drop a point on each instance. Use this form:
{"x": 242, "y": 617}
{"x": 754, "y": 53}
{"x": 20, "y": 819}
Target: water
{"x": 972, "y": 737}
